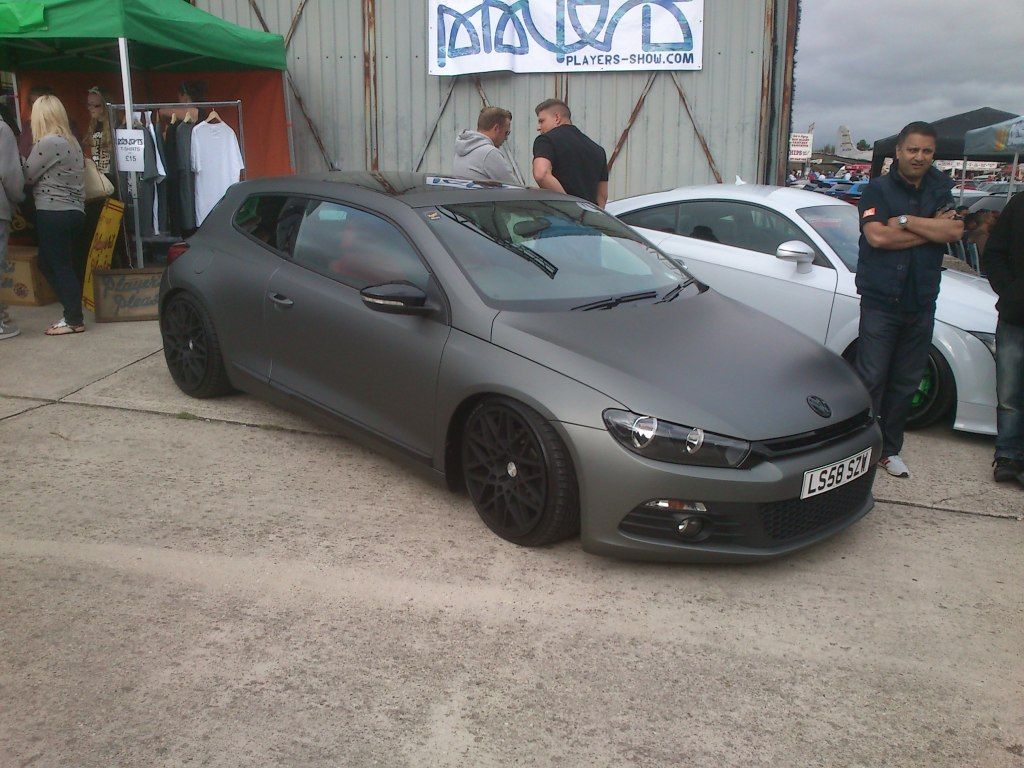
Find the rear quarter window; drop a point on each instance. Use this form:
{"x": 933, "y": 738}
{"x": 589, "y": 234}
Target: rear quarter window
{"x": 272, "y": 220}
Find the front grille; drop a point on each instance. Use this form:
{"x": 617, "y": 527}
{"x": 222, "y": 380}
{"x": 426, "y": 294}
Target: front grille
{"x": 814, "y": 439}
{"x": 795, "y": 518}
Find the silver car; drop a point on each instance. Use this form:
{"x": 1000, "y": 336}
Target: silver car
{"x": 531, "y": 349}
{"x": 793, "y": 255}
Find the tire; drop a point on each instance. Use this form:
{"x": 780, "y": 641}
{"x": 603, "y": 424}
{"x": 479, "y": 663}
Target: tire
{"x": 935, "y": 394}
{"x": 192, "y": 348}
{"x": 518, "y": 474}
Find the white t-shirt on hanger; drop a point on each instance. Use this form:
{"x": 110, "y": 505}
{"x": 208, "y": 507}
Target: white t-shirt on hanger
{"x": 217, "y": 162}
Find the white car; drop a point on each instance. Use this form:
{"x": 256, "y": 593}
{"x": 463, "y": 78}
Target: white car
{"x": 793, "y": 255}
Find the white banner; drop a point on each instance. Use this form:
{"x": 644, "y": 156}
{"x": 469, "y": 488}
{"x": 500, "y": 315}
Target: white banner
{"x": 800, "y": 146}
{"x": 468, "y": 36}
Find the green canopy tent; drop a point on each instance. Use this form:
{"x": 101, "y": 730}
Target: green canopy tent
{"x": 169, "y": 35}
{"x": 130, "y": 36}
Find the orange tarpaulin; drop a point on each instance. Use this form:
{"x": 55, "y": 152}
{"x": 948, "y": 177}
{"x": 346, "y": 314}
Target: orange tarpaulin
{"x": 261, "y": 92}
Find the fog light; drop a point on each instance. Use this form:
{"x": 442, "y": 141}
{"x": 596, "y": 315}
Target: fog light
{"x": 676, "y": 505}
{"x": 690, "y": 527}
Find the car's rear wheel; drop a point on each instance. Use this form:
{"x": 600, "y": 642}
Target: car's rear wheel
{"x": 192, "y": 348}
{"x": 518, "y": 473}
{"x": 935, "y": 393}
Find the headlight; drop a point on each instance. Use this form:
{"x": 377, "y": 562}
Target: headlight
{"x": 988, "y": 339}
{"x": 664, "y": 441}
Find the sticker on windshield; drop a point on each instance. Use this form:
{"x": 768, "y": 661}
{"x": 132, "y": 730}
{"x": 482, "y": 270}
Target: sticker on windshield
{"x": 433, "y": 215}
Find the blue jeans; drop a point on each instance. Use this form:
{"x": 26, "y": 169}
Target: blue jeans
{"x": 891, "y": 356}
{"x": 1010, "y": 391}
{"x": 57, "y": 232}
{"x": 6, "y": 270}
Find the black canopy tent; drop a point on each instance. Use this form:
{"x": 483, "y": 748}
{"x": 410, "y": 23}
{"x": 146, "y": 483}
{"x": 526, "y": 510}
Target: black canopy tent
{"x": 950, "y": 142}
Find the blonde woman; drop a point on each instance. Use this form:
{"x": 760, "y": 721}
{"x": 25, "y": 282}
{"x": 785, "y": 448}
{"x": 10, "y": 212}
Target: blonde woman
{"x": 99, "y": 138}
{"x": 55, "y": 169}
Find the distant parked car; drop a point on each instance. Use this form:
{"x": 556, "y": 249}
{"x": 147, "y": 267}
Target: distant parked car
{"x": 853, "y": 193}
{"x": 850, "y": 191}
{"x": 793, "y": 255}
{"x": 1000, "y": 187}
{"x": 989, "y": 203}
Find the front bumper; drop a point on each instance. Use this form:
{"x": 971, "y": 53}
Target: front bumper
{"x": 751, "y": 514}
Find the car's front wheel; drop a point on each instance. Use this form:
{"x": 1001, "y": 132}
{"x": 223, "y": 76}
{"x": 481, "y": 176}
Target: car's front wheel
{"x": 518, "y": 473}
{"x": 192, "y": 348}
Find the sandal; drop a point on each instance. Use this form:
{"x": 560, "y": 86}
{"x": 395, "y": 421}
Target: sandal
{"x": 63, "y": 329}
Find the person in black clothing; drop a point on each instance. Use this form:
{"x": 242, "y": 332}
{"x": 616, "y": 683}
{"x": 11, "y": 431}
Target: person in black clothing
{"x": 566, "y": 160}
{"x": 1003, "y": 263}
{"x": 906, "y": 218}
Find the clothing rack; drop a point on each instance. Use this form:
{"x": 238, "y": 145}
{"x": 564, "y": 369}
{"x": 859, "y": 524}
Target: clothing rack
{"x": 133, "y": 184}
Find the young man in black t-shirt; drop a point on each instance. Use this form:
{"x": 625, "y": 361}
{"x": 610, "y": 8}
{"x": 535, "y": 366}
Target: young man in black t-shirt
{"x": 566, "y": 160}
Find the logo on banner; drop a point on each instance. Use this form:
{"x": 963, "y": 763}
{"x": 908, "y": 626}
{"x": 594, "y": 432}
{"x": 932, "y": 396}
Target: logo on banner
{"x": 565, "y": 35}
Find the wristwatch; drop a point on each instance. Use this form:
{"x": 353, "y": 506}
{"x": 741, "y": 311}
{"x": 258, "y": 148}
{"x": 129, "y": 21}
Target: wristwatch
{"x": 903, "y": 221}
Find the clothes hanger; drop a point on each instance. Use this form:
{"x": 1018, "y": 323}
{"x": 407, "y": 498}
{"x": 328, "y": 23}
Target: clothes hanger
{"x": 174, "y": 117}
{"x": 213, "y": 116}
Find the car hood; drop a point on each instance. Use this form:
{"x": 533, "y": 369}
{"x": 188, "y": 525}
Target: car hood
{"x": 967, "y": 302}
{"x": 705, "y": 361}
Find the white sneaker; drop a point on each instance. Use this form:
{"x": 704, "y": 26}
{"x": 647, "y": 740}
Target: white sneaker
{"x": 894, "y": 466}
{"x": 8, "y": 329}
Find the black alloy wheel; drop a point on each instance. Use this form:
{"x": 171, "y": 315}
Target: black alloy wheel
{"x": 518, "y": 474}
{"x": 192, "y": 349}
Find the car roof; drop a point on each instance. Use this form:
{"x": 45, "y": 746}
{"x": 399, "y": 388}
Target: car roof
{"x": 414, "y": 189}
{"x": 782, "y": 198}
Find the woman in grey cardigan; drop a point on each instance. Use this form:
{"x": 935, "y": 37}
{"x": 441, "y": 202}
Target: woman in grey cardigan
{"x": 11, "y": 193}
{"x": 55, "y": 169}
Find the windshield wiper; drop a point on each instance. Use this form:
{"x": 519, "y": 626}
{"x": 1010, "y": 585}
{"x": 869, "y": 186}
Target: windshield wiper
{"x": 528, "y": 254}
{"x": 615, "y": 301}
{"x": 676, "y": 291}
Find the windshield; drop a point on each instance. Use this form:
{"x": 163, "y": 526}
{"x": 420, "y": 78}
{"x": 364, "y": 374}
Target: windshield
{"x": 552, "y": 254}
{"x": 838, "y": 225}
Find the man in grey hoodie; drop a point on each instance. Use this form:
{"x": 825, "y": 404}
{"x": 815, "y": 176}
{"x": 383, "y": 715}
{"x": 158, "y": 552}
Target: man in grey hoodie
{"x": 12, "y": 192}
{"x": 477, "y": 153}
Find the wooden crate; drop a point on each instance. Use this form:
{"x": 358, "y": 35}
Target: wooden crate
{"x": 126, "y": 294}
{"x": 29, "y": 287}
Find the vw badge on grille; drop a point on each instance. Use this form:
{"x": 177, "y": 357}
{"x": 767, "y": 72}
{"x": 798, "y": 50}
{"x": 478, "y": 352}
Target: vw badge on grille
{"x": 819, "y": 406}
{"x": 694, "y": 440}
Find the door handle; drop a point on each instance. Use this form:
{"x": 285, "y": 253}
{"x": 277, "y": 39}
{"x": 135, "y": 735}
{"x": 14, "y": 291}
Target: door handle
{"x": 277, "y": 298}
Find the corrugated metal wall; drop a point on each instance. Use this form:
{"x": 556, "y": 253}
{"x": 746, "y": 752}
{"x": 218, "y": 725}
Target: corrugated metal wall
{"x": 733, "y": 98}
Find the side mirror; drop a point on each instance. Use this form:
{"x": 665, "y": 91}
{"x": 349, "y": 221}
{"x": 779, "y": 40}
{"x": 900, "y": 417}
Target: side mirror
{"x": 396, "y": 299}
{"x": 798, "y": 252}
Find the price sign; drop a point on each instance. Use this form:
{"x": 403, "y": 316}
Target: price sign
{"x": 131, "y": 150}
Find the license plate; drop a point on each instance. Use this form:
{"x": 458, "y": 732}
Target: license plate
{"x": 832, "y": 476}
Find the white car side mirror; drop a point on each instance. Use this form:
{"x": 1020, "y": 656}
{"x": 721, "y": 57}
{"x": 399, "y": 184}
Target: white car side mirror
{"x": 798, "y": 252}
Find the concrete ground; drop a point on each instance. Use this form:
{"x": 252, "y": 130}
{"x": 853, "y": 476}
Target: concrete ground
{"x": 221, "y": 583}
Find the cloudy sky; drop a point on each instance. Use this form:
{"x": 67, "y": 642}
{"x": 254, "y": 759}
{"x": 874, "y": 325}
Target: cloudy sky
{"x": 876, "y": 65}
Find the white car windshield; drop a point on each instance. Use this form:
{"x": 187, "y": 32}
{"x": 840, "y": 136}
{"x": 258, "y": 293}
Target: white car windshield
{"x": 839, "y": 226}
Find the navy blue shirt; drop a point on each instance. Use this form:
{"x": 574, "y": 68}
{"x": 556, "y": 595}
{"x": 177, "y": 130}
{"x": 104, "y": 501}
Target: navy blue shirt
{"x": 905, "y": 280}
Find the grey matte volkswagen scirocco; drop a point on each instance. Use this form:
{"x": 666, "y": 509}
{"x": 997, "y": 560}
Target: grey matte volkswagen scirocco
{"x": 532, "y": 349}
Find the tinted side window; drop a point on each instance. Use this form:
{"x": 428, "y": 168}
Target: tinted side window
{"x": 738, "y": 224}
{"x": 271, "y": 219}
{"x": 661, "y": 218}
{"x": 356, "y": 248}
